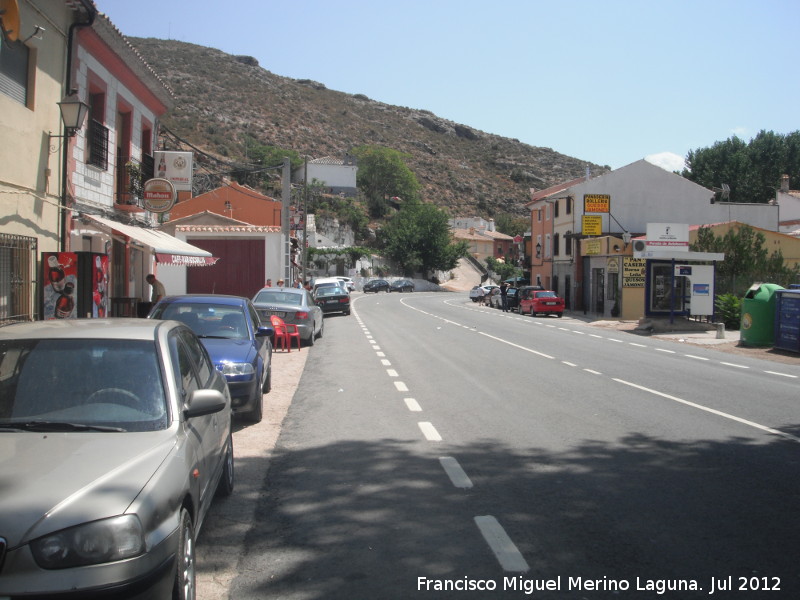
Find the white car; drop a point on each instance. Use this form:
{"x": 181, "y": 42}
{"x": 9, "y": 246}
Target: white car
{"x": 488, "y": 290}
{"x": 348, "y": 283}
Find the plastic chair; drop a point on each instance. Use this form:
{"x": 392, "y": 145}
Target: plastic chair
{"x": 285, "y": 332}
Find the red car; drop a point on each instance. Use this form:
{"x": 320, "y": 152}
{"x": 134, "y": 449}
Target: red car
{"x": 540, "y": 301}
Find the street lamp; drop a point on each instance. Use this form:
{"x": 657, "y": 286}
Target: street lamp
{"x": 73, "y": 114}
{"x": 538, "y": 250}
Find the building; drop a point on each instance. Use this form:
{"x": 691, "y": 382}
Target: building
{"x": 236, "y": 224}
{"x": 334, "y": 175}
{"x": 620, "y": 204}
{"x": 33, "y": 80}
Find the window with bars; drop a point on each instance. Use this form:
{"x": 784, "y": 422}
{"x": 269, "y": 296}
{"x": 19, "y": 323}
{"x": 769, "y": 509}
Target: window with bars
{"x": 17, "y": 266}
{"x": 98, "y": 145}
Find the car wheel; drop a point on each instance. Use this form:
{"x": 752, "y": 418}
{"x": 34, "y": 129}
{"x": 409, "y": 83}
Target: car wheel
{"x": 225, "y": 487}
{"x": 310, "y": 340}
{"x": 559, "y": 315}
{"x": 255, "y": 415}
{"x": 185, "y": 576}
{"x": 267, "y": 381}
{"x": 321, "y": 328}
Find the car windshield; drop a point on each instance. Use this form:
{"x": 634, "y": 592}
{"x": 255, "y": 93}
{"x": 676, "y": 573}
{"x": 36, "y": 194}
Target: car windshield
{"x": 330, "y": 291}
{"x": 545, "y": 294}
{"x": 81, "y": 384}
{"x": 208, "y": 320}
{"x": 278, "y": 297}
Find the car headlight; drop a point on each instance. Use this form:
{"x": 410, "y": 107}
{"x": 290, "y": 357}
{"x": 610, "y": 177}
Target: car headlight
{"x": 98, "y": 542}
{"x": 234, "y": 368}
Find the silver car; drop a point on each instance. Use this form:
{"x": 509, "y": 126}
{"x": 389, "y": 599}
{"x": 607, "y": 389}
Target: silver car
{"x": 295, "y": 306}
{"x": 116, "y": 434}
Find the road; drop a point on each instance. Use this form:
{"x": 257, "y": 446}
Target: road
{"x": 433, "y": 445}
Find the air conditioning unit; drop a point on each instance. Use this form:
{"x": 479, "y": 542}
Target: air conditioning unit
{"x": 639, "y": 246}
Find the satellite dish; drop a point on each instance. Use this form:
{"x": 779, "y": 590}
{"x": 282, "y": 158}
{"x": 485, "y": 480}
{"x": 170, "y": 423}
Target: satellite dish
{"x": 9, "y": 18}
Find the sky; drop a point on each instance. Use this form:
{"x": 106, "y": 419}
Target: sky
{"x": 605, "y": 81}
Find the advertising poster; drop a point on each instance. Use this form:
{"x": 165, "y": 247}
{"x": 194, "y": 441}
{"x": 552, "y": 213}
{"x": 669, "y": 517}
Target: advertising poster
{"x": 61, "y": 280}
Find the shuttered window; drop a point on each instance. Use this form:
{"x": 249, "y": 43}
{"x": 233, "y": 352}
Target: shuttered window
{"x": 14, "y": 70}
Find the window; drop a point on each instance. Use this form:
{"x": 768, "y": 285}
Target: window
{"x": 556, "y": 245}
{"x": 14, "y": 58}
{"x": 569, "y": 205}
{"x": 539, "y": 215}
{"x": 555, "y": 209}
{"x": 97, "y": 132}
{"x": 17, "y": 266}
{"x": 568, "y": 243}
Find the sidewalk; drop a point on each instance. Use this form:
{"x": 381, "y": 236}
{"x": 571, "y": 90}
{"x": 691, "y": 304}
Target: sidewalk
{"x": 680, "y": 329}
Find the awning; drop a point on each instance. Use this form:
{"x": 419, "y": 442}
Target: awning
{"x": 169, "y": 250}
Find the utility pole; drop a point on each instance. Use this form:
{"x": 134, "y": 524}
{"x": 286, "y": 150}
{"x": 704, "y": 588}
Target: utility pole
{"x": 286, "y": 193}
{"x": 304, "y": 248}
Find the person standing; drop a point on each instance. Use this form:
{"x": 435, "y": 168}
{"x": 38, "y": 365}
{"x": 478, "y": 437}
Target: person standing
{"x": 268, "y": 283}
{"x": 504, "y": 296}
{"x": 481, "y": 295}
{"x": 158, "y": 291}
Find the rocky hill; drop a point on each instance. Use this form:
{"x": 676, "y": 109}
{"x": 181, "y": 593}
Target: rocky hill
{"x": 220, "y": 99}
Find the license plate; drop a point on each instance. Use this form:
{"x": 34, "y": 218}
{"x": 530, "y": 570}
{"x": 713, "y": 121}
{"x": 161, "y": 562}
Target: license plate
{"x": 273, "y": 313}
{"x": 332, "y": 301}
{"x": 550, "y": 303}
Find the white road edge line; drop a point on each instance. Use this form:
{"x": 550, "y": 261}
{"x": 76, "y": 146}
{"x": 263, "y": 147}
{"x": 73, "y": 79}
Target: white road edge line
{"x": 455, "y": 472}
{"x": 504, "y": 549}
{"x": 713, "y": 411}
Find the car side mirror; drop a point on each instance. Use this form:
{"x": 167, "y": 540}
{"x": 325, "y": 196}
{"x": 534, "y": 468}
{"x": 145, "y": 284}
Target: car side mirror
{"x": 265, "y": 331}
{"x": 204, "y": 402}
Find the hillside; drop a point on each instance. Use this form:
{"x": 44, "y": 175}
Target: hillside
{"x": 219, "y": 99}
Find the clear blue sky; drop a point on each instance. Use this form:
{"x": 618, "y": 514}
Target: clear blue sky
{"x": 607, "y": 81}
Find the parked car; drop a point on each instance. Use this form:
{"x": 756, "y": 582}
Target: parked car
{"x": 535, "y": 302}
{"x": 376, "y": 285}
{"x": 402, "y": 285}
{"x": 473, "y": 293}
{"x": 239, "y": 345}
{"x": 326, "y": 281}
{"x": 331, "y": 299}
{"x": 293, "y": 305}
{"x": 116, "y": 435}
{"x": 348, "y": 283}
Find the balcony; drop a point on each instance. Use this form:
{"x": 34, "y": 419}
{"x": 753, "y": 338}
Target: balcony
{"x": 131, "y": 175}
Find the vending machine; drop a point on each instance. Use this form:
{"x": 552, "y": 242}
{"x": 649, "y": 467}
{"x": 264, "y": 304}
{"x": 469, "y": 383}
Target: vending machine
{"x": 74, "y": 285}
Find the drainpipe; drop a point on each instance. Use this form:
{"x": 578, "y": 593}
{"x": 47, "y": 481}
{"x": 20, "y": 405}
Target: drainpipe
{"x": 92, "y": 13}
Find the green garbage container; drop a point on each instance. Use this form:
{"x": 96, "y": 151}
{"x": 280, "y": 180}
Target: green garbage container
{"x": 758, "y": 315}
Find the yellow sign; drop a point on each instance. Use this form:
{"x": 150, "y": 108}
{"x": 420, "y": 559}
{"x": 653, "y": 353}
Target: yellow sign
{"x": 592, "y": 225}
{"x": 633, "y": 272}
{"x": 592, "y": 247}
{"x": 612, "y": 266}
{"x": 596, "y": 203}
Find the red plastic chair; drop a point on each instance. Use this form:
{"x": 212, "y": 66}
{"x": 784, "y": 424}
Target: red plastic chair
{"x": 284, "y": 333}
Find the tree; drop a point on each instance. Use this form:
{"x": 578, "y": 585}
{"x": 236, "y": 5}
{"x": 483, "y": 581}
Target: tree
{"x": 747, "y": 260}
{"x": 752, "y": 170}
{"x": 383, "y": 174}
{"x": 418, "y": 239}
{"x": 511, "y": 224}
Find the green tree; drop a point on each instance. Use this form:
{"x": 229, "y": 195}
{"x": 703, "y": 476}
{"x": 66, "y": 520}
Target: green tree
{"x": 504, "y": 270}
{"x": 747, "y": 259}
{"x": 753, "y": 170}
{"x": 417, "y": 238}
{"x": 511, "y": 224}
{"x": 383, "y": 174}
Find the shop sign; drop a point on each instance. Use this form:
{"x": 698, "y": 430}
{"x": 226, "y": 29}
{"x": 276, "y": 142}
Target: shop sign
{"x": 592, "y": 225}
{"x": 633, "y": 272}
{"x": 159, "y": 195}
{"x": 612, "y": 266}
{"x": 596, "y": 203}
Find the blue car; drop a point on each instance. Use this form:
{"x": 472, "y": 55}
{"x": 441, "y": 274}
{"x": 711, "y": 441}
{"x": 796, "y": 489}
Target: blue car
{"x": 240, "y": 347}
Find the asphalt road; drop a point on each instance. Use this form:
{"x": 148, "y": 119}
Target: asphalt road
{"x": 434, "y": 444}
